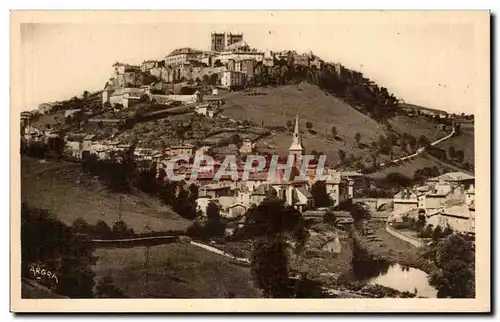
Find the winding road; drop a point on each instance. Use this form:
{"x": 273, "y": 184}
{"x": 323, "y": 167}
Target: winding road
{"x": 419, "y": 151}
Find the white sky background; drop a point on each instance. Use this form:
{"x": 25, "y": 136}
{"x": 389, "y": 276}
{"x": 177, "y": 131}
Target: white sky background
{"x": 412, "y": 60}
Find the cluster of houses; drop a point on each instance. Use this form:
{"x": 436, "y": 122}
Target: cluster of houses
{"x": 105, "y": 147}
{"x": 234, "y": 197}
{"x": 124, "y": 98}
{"x": 446, "y": 200}
{"x": 33, "y": 134}
{"x": 231, "y": 59}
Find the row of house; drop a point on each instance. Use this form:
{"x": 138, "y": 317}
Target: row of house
{"x": 33, "y": 134}
{"x": 446, "y": 199}
{"x": 104, "y": 147}
{"x": 128, "y": 97}
{"x": 230, "y": 58}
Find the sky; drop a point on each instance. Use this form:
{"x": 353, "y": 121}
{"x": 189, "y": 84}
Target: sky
{"x": 431, "y": 64}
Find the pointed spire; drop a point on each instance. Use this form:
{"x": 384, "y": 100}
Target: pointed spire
{"x": 296, "y": 133}
{"x": 297, "y": 141}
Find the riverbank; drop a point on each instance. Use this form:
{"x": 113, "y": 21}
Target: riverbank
{"x": 384, "y": 246}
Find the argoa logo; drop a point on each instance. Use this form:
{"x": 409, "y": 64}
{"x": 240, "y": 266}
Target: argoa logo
{"x": 40, "y": 272}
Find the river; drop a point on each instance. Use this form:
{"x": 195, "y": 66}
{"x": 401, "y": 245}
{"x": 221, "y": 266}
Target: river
{"x": 404, "y": 278}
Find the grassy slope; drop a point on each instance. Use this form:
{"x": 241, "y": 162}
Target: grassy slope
{"x": 408, "y": 168}
{"x": 417, "y": 126}
{"x": 175, "y": 270}
{"x": 68, "y": 193}
{"x": 311, "y": 104}
{"x": 463, "y": 142}
{"x": 49, "y": 119}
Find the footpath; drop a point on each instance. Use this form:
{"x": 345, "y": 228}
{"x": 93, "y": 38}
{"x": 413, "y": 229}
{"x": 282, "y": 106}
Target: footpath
{"x": 419, "y": 151}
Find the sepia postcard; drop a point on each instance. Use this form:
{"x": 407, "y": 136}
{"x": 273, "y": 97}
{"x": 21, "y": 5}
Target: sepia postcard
{"x": 250, "y": 161}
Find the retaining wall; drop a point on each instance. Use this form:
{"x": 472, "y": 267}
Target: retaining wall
{"x": 408, "y": 239}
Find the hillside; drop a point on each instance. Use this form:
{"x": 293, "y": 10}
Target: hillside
{"x": 277, "y": 105}
{"x": 417, "y": 126}
{"x": 63, "y": 189}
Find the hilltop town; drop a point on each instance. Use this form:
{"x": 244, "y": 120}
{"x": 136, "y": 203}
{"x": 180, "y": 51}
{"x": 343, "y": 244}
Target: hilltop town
{"x": 399, "y": 174}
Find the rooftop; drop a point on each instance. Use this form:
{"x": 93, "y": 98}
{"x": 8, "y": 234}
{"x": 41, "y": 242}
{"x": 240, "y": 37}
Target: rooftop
{"x": 461, "y": 211}
{"x": 453, "y": 176}
{"x": 185, "y": 50}
{"x": 130, "y": 90}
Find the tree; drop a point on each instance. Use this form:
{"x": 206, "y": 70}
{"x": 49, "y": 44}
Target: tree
{"x": 321, "y": 197}
{"x": 447, "y": 231}
{"x": 144, "y": 98}
{"x": 329, "y": 218}
{"x": 412, "y": 141}
{"x": 271, "y": 224}
{"x": 80, "y": 226}
{"x": 436, "y": 234}
{"x": 451, "y": 152}
{"x": 183, "y": 204}
{"x": 149, "y": 79}
{"x": 120, "y": 230}
{"x": 357, "y": 137}
{"x": 185, "y": 90}
{"x": 334, "y": 131}
{"x": 309, "y": 125}
{"x": 341, "y": 155}
{"x": 213, "y": 79}
{"x": 205, "y": 79}
{"x": 420, "y": 224}
{"x": 423, "y": 141}
{"x": 427, "y": 232}
{"x": 101, "y": 230}
{"x": 146, "y": 181}
{"x": 289, "y": 125}
{"x": 46, "y": 240}
{"x": 395, "y": 180}
{"x": 214, "y": 227}
{"x": 460, "y": 156}
{"x": 270, "y": 267}
{"x": 454, "y": 273}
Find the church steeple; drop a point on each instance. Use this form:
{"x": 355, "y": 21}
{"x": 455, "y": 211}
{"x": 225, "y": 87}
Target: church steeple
{"x": 296, "y": 148}
{"x": 296, "y": 133}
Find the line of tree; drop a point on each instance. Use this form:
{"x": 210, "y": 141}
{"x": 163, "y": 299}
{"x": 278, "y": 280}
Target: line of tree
{"x": 453, "y": 261}
{"x": 65, "y": 250}
{"x": 121, "y": 173}
{"x": 47, "y": 242}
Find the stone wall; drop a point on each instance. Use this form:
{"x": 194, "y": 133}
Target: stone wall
{"x": 415, "y": 242}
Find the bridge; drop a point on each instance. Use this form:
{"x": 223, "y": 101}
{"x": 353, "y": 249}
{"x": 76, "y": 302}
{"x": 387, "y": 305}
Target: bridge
{"x": 373, "y": 204}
